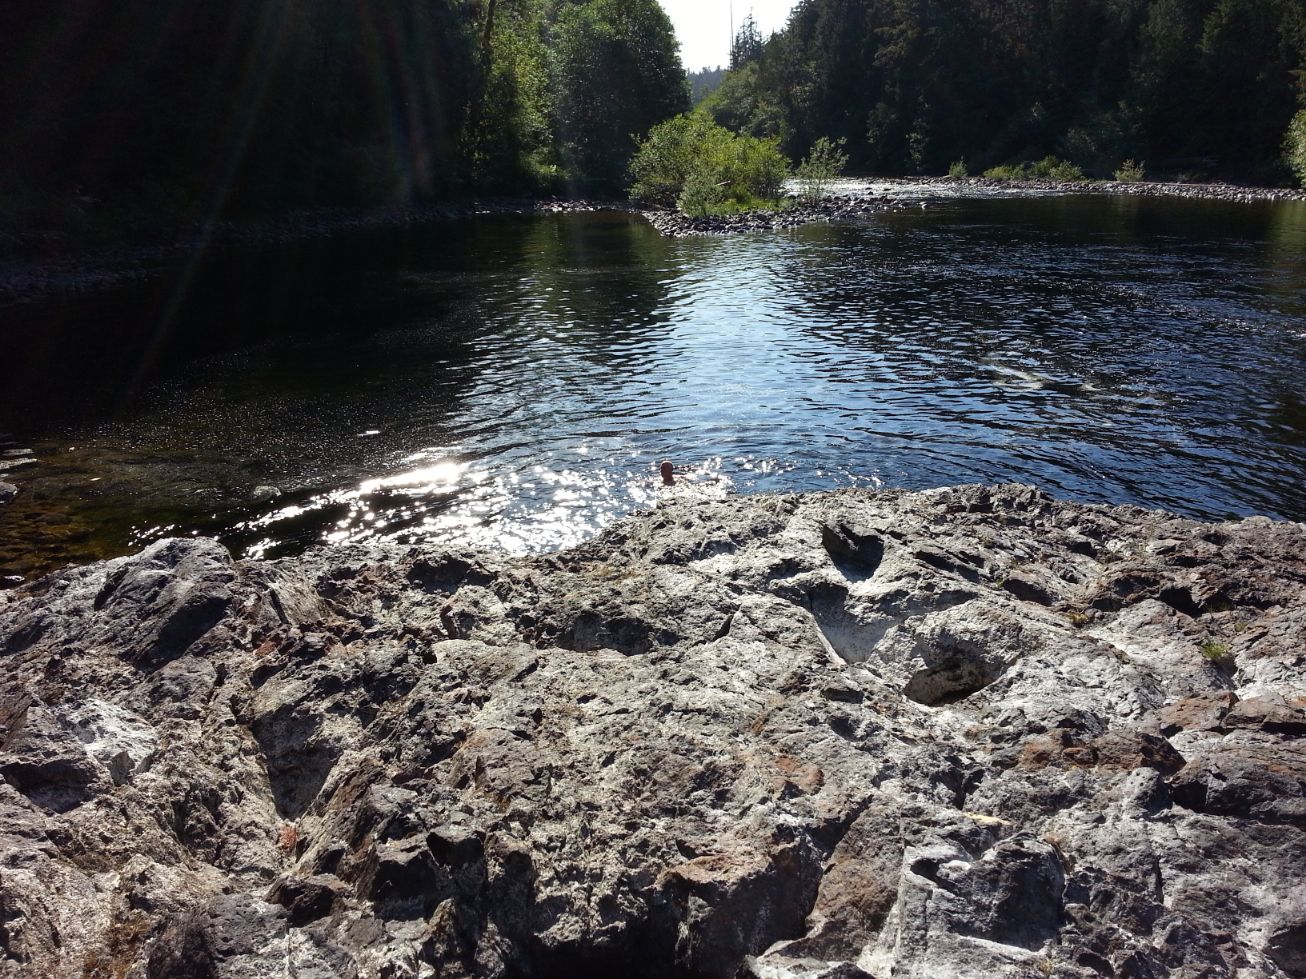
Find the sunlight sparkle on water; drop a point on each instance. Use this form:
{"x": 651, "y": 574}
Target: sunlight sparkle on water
{"x": 419, "y": 482}
{"x": 463, "y": 503}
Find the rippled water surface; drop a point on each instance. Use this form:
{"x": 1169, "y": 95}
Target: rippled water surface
{"x": 513, "y": 382}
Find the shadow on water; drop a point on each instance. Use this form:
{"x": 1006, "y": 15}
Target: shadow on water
{"x": 263, "y": 381}
{"x": 511, "y": 382}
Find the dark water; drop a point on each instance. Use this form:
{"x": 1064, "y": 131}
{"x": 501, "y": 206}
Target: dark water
{"x": 513, "y": 382}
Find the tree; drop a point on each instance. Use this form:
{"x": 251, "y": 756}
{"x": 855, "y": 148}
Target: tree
{"x": 747, "y": 44}
{"x": 510, "y": 136}
{"x": 255, "y": 105}
{"x": 617, "y": 73}
{"x": 912, "y": 85}
{"x": 746, "y": 104}
{"x": 704, "y": 82}
{"x": 162, "y": 112}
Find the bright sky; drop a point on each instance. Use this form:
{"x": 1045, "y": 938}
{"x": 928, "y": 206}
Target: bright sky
{"x": 703, "y": 26}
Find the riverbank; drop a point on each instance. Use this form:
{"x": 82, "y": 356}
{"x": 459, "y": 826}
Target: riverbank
{"x": 24, "y": 280}
{"x": 970, "y": 731}
{"x": 674, "y": 224}
{"x": 1232, "y": 193}
{"x": 108, "y": 268}
{"x": 853, "y": 199}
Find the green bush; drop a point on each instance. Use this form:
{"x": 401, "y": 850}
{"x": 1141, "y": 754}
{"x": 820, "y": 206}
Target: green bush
{"x": 823, "y": 164}
{"x": 1048, "y": 168}
{"x": 1006, "y": 172}
{"x": 1130, "y": 172}
{"x": 698, "y": 166}
{"x": 1294, "y": 146}
{"x": 702, "y": 194}
{"x": 958, "y": 170}
{"x": 664, "y": 161}
{"x": 755, "y": 168}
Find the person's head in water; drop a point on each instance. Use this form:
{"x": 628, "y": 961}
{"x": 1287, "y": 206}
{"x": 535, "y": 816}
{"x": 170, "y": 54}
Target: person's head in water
{"x": 668, "y": 473}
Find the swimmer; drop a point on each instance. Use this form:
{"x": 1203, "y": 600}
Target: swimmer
{"x": 670, "y": 471}
{"x": 695, "y": 482}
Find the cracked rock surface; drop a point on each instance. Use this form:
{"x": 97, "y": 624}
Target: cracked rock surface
{"x": 955, "y": 733}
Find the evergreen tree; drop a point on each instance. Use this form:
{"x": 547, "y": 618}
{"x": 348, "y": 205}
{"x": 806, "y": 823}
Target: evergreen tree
{"x": 746, "y": 47}
{"x": 1199, "y": 86}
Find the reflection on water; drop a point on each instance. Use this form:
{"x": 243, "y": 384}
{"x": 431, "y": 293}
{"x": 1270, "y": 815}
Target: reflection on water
{"x": 451, "y": 500}
{"x": 514, "y": 382}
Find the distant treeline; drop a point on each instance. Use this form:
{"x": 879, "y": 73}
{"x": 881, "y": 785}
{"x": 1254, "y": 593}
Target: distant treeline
{"x": 195, "y": 107}
{"x": 1196, "y": 87}
{"x": 704, "y": 82}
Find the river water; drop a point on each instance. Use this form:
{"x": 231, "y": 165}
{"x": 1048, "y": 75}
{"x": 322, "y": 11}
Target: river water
{"x": 513, "y": 382}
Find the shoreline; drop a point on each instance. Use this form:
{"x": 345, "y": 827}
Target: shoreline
{"x": 94, "y": 270}
{"x": 101, "y": 269}
{"x": 1233, "y": 193}
{"x": 673, "y": 224}
{"x": 871, "y": 198}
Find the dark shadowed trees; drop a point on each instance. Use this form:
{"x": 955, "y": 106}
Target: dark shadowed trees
{"x": 167, "y": 111}
{"x": 251, "y": 104}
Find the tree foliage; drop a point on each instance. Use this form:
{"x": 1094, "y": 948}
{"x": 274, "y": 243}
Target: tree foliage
{"x": 259, "y": 105}
{"x": 744, "y": 104}
{"x": 1202, "y": 86}
{"x": 251, "y": 104}
{"x": 618, "y": 74}
{"x": 703, "y": 83}
{"x": 746, "y": 46}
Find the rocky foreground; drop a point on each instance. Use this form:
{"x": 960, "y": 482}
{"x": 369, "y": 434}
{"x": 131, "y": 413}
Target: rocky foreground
{"x": 969, "y": 732}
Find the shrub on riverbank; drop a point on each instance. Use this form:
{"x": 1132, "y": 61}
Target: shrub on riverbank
{"x": 1130, "y": 172}
{"x": 1294, "y": 146}
{"x": 1048, "y": 168}
{"x": 821, "y": 167}
{"x": 701, "y": 168}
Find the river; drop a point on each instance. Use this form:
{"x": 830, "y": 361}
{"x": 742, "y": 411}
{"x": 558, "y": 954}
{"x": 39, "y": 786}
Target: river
{"x": 514, "y": 382}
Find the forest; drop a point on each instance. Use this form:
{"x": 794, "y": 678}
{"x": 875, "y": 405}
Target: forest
{"x": 1199, "y": 89}
{"x": 140, "y": 111}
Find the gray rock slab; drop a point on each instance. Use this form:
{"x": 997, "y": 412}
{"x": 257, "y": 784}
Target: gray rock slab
{"x": 966, "y": 732}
